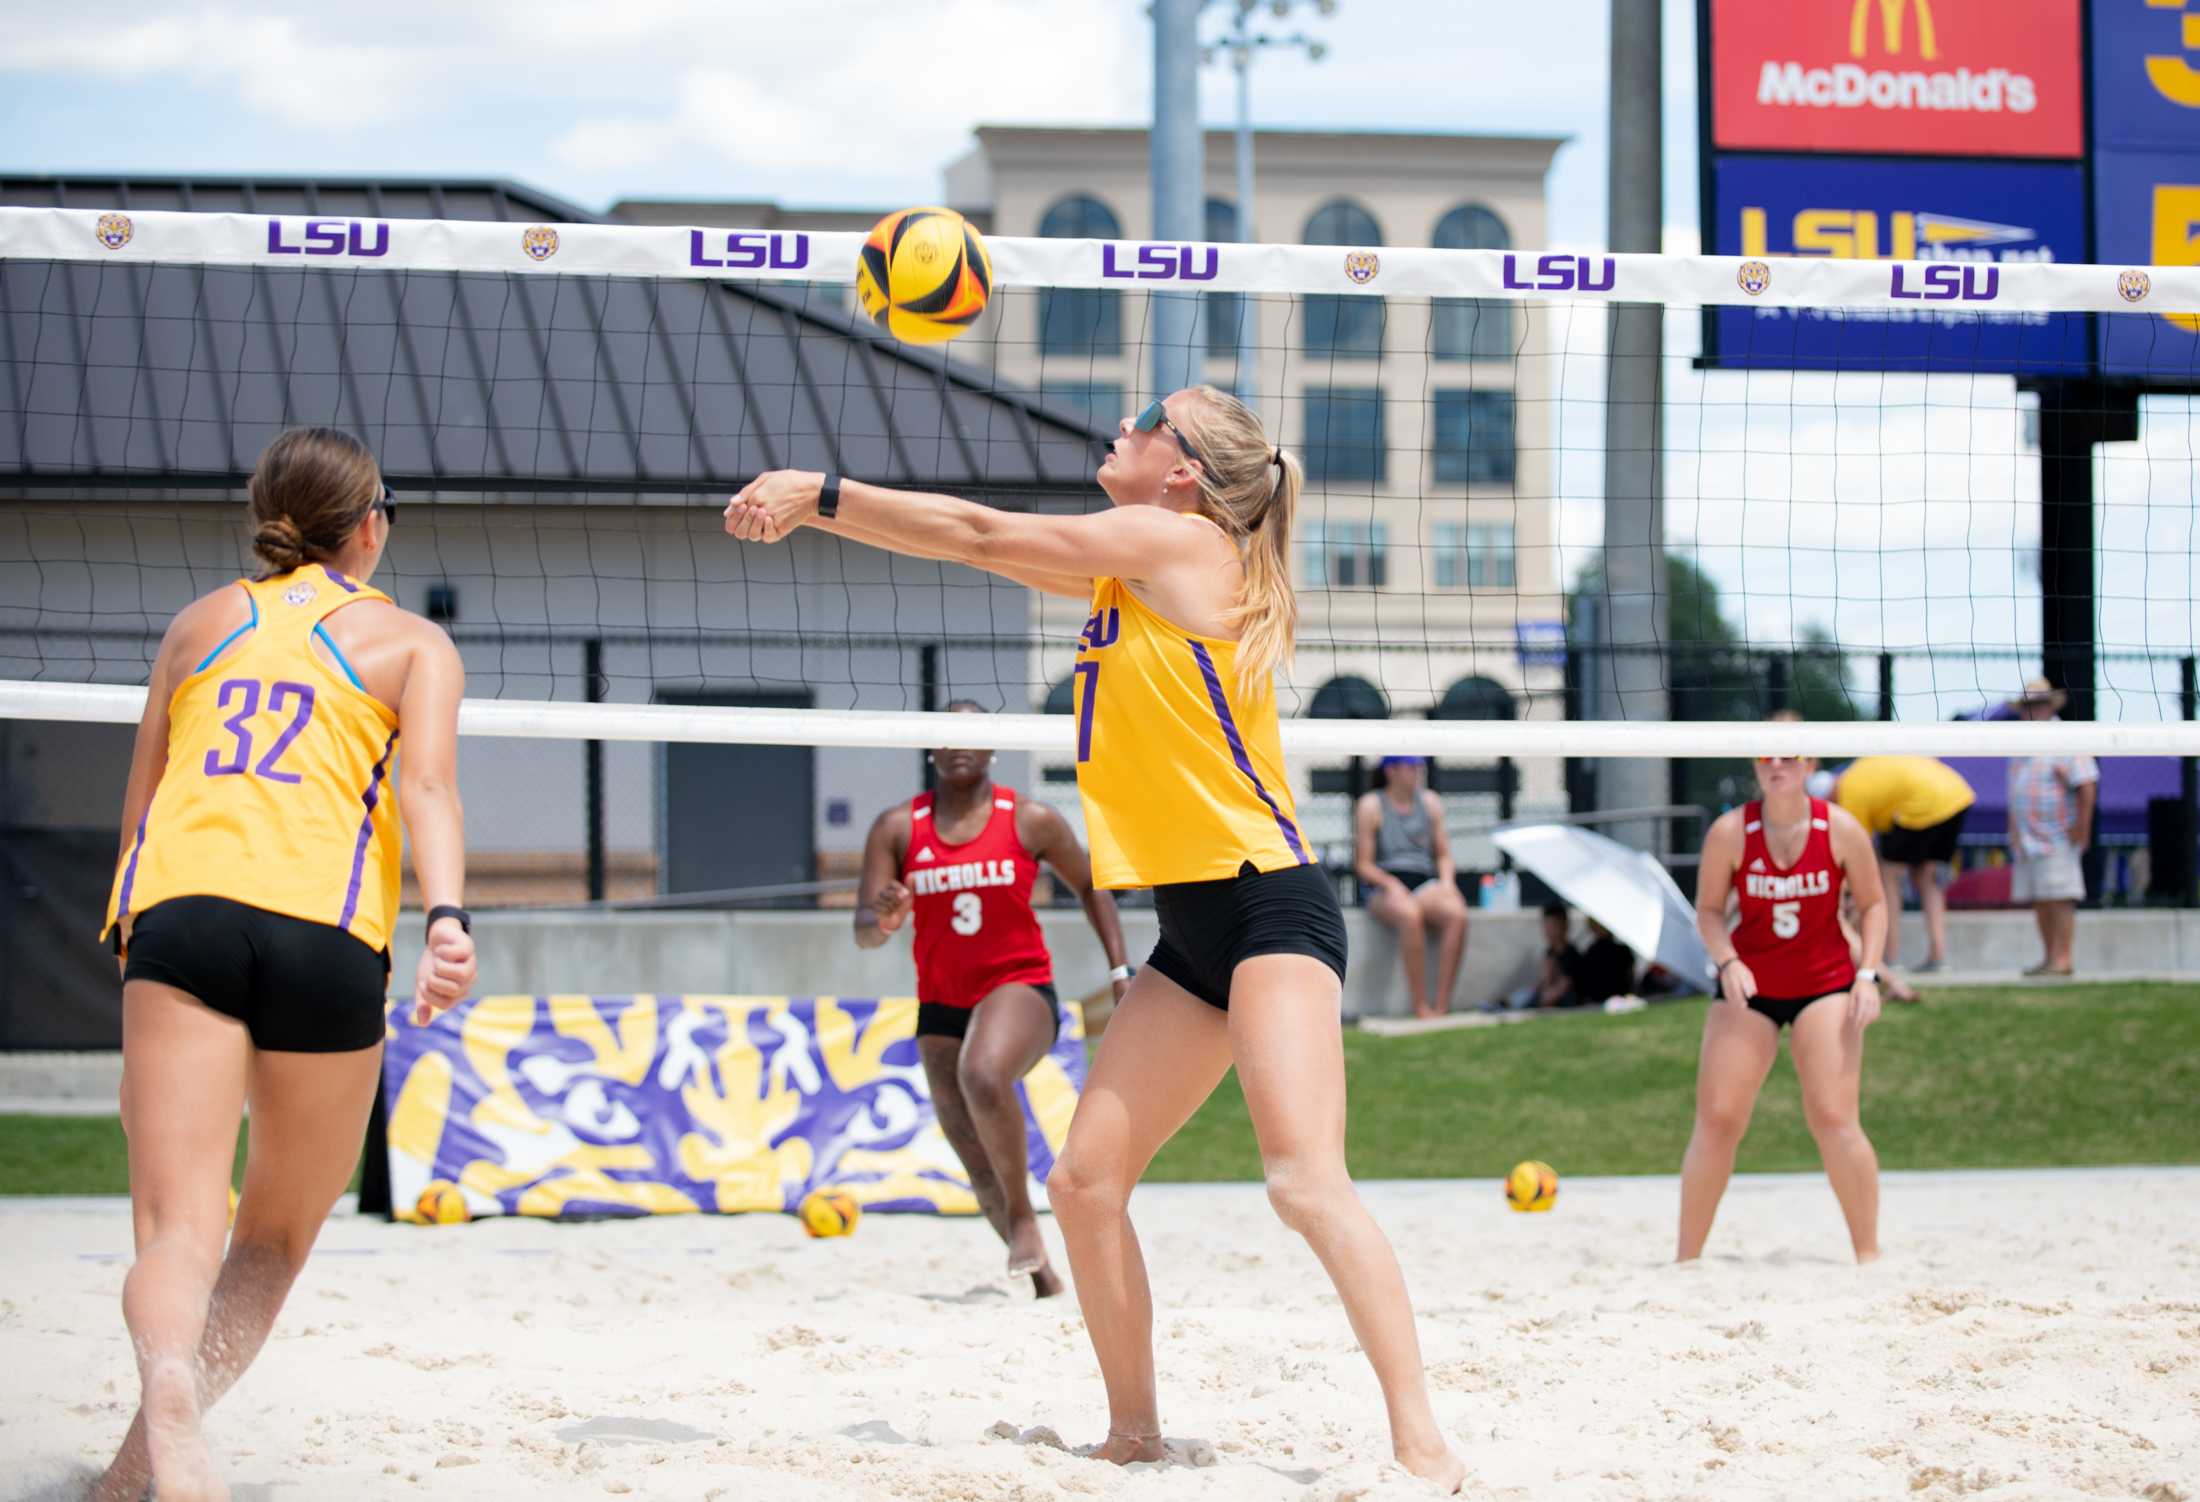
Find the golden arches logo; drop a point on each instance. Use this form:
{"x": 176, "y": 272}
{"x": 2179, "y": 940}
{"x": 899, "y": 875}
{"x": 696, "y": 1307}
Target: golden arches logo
{"x": 1890, "y": 27}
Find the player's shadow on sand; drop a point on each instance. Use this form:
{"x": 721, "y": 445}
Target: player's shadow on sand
{"x": 983, "y": 1293}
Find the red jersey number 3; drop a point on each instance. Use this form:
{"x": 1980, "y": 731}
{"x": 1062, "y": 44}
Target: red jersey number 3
{"x": 975, "y": 930}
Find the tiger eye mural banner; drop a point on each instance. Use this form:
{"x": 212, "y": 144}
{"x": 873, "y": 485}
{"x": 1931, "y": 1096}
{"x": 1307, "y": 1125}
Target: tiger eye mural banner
{"x": 573, "y": 1107}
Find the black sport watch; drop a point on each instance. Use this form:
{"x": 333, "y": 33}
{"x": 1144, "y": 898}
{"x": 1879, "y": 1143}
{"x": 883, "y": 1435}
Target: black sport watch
{"x": 451, "y": 910}
{"x": 828, "y": 496}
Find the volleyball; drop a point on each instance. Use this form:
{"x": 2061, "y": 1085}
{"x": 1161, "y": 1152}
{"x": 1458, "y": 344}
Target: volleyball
{"x": 1531, "y": 1186}
{"x": 924, "y": 275}
{"x": 830, "y": 1212}
{"x": 442, "y": 1203}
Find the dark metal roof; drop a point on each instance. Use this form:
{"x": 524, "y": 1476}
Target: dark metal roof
{"x": 120, "y": 378}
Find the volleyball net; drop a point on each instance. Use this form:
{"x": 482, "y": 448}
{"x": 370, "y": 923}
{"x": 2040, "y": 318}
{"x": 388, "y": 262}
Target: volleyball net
{"x": 1847, "y": 528}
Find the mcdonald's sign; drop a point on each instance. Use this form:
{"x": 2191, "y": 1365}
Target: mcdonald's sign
{"x": 1998, "y": 78}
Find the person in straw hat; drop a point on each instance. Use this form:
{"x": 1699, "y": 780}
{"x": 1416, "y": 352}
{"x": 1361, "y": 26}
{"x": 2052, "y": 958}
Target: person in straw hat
{"x": 2051, "y": 802}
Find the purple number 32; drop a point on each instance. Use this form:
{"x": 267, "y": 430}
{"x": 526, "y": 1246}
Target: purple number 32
{"x": 246, "y": 693}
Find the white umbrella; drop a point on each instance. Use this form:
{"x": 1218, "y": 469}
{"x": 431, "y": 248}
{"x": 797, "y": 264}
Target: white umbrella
{"x": 1625, "y": 890}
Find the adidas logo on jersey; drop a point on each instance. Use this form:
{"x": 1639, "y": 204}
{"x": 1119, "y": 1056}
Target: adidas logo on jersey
{"x": 925, "y": 855}
{"x": 1758, "y": 864}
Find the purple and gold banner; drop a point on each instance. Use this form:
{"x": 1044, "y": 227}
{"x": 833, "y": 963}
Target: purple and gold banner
{"x": 573, "y": 1106}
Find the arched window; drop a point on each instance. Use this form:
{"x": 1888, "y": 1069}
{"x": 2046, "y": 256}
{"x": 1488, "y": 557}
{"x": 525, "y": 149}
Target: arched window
{"x": 1476, "y": 699}
{"x": 1350, "y": 326}
{"x": 1074, "y": 321}
{"x": 1349, "y": 697}
{"x": 1224, "y": 309}
{"x": 1471, "y": 328}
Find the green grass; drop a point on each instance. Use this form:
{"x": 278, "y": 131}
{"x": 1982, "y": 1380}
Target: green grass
{"x": 1979, "y": 1078}
{"x": 74, "y": 1155}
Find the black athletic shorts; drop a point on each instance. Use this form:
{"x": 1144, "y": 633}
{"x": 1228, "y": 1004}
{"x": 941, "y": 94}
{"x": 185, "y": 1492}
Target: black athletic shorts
{"x": 1783, "y": 1012}
{"x": 1209, "y": 928}
{"x": 1914, "y": 847}
{"x": 298, "y": 987}
{"x": 936, "y": 1019}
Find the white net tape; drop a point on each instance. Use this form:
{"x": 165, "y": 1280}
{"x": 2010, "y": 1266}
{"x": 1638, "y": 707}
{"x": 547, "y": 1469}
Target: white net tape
{"x": 803, "y": 256}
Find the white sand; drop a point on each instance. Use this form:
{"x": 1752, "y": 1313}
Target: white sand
{"x": 2029, "y": 1336}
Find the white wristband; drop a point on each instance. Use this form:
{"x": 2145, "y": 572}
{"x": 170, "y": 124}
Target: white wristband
{"x": 1868, "y": 974}
{"x": 1123, "y": 972}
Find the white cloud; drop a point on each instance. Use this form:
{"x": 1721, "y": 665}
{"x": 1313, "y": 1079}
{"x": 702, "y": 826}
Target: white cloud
{"x": 336, "y": 81}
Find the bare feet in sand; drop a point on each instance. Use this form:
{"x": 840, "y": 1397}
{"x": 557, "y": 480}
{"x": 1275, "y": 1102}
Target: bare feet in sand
{"x": 1027, "y": 1248}
{"x": 1440, "y": 1465}
{"x": 183, "y": 1468}
{"x": 1122, "y": 1448}
{"x": 1046, "y": 1283}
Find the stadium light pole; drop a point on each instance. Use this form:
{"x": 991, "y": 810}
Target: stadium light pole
{"x": 1178, "y": 153}
{"x": 1632, "y": 674}
{"x": 1241, "y": 44}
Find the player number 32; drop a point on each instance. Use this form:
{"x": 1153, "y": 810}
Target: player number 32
{"x": 243, "y": 695}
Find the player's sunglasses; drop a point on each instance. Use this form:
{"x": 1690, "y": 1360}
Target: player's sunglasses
{"x": 386, "y": 503}
{"x": 1155, "y": 416}
{"x": 1767, "y": 761}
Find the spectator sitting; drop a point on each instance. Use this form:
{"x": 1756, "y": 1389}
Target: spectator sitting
{"x": 1403, "y": 860}
{"x": 1606, "y": 968}
{"x": 1554, "y": 979}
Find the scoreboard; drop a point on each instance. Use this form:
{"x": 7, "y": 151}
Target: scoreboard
{"x": 1971, "y": 131}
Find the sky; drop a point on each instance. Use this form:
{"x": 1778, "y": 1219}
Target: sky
{"x": 835, "y": 102}
{"x": 643, "y": 98}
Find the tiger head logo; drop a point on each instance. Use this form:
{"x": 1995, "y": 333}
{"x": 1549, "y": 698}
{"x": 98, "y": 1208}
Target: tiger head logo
{"x": 2134, "y": 285}
{"x": 114, "y": 230}
{"x": 299, "y": 595}
{"x": 540, "y": 243}
{"x": 1361, "y": 265}
{"x": 1753, "y": 277}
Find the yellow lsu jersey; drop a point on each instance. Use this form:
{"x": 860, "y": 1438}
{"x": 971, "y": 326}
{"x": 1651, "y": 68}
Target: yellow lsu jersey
{"x": 277, "y": 791}
{"x": 1181, "y": 773}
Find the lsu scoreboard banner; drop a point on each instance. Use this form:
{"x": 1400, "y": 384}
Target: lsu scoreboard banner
{"x": 585, "y": 1106}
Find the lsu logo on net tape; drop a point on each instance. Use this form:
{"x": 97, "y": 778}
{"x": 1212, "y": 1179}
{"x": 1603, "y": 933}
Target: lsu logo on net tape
{"x": 540, "y": 242}
{"x": 1360, "y": 266}
{"x": 114, "y": 230}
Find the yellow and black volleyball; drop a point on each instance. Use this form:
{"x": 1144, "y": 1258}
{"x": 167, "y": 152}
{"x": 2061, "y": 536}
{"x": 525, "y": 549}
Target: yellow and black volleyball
{"x": 924, "y": 275}
{"x": 1531, "y": 1186}
{"x": 831, "y": 1211}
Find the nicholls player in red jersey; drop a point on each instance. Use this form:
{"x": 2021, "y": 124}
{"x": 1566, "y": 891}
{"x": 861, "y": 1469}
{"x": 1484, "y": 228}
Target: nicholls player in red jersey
{"x": 961, "y": 859}
{"x": 1785, "y": 858}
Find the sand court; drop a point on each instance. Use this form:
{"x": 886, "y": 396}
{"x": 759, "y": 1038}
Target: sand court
{"x": 2029, "y": 1335}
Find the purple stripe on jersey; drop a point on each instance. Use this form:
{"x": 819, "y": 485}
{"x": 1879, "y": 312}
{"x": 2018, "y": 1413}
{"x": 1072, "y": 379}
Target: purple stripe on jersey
{"x": 1237, "y": 747}
{"x": 370, "y": 797}
{"x": 339, "y": 580}
{"x": 129, "y": 872}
